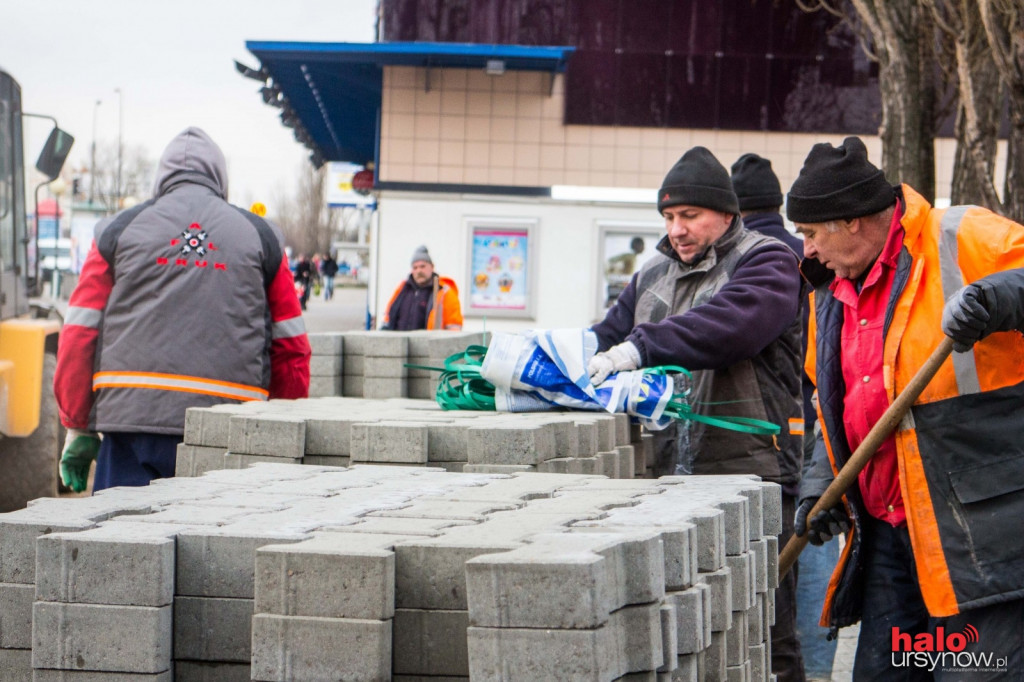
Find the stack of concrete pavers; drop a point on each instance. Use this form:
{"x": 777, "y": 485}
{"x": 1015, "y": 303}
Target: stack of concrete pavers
{"x": 340, "y": 431}
{"x": 326, "y": 364}
{"x": 283, "y": 572}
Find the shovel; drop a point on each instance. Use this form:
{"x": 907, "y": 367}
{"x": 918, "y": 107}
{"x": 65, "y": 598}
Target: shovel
{"x": 885, "y": 425}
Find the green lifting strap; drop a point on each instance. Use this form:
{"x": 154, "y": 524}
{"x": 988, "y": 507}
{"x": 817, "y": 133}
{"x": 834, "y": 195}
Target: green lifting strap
{"x": 462, "y": 387}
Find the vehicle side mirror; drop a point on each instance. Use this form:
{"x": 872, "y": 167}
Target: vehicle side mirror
{"x": 54, "y": 153}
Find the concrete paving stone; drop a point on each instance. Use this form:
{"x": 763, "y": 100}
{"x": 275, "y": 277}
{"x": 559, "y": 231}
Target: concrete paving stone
{"x": 256, "y": 476}
{"x": 381, "y": 344}
{"x": 208, "y": 426}
{"x": 690, "y": 626}
{"x": 669, "y": 636}
{"x": 759, "y": 665}
{"x": 16, "y": 615}
{"x": 326, "y": 483}
{"x": 581, "y": 502}
{"x": 447, "y": 442}
{"x": 96, "y": 637}
{"x": 498, "y": 468}
{"x": 715, "y": 659}
{"x": 678, "y": 544}
{"x": 559, "y": 465}
{"x": 767, "y": 615}
{"x": 510, "y": 654}
{"x": 201, "y": 671}
{"x": 327, "y": 460}
{"x": 636, "y": 431}
{"x": 75, "y": 567}
{"x": 622, "y": 429}
{"x": 463, "y": 510}
{"x": 267, "y": 434}
{"x": 510, "y": 443}
{"x": 384, "y": 387}
{"x": 720, "y": 582}
{"x": 424, "y": 388}
{"x": 326, "y": 386}
{"x": 18, "y": 533}
{"x": 609, "y": 463}
{"x": 422, "y": 361}
{"x": 664, "y": 511}
{"x": 86, "y": 676}
{"x": 586, "y": 435}
{"x": 220, "y": 562}
{"x": 327, "y": 343}
{"x": 303, "y": 649}
{"x": 331, "y": 575}
{"x": 687, "y": 669}
{"x": 755, "y": 623}
{"x": 519, "y": 486}
{"x": 736, "y": 640}
{"x": 430, "y": 643}
{"x": 772, "y": 557}
{"x": 352, "y": 385}
{"x": 638, "y": 628}
{"x": 742, "y": 569}
{"x": 233, "y": 461}
{"x": 331, "y": 434}
{"x": 760, "y": 551}
{"x": 325, "y": 366}
{"x": 16, "y": 665}
{"x": 353, "y": 365}
{"x": 401, "y": 526}
{"x": 647, "y": 448}
{"x": 191, "y": 514}
{"x": 627, "y": 465}
{"x": 738, "y": 673}
{"x": 737, "y": 514}
{"x": 567, "y": 437}
{"x": 385, "y": 368}
{"x": 588, "y": 466}
{"x": 770, "y": 608}
{"x": 389, "y": 441}
{"x": 213, "y": 629}
{"x": 196, "y": 460}
{"x": 354, "y": 343}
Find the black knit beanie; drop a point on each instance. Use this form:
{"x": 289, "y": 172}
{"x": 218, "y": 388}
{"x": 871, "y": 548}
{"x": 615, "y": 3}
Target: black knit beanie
{"x": 698, "y": 179}
{"x": 838, "y": 183}
{"x": 755, "y": 183}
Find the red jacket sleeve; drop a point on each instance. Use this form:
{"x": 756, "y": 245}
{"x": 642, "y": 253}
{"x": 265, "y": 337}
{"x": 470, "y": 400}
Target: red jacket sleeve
{"x": 76, "y": 349}
{"x": 289, "y": 347}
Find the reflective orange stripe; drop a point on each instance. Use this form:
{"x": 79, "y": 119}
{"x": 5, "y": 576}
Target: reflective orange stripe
{"x": 178, "y": 382}
{"x": 796, "y": 427}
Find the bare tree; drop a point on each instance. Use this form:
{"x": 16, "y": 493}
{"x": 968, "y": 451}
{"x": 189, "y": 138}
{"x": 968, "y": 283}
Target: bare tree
{"x": 1004, "y": 26}
{"x": 137, "y": 174}
{"x": 308, "y": 224}
{"x": 899, "y": 35}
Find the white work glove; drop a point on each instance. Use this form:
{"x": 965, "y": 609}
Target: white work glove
{"x": 620, "y": 358}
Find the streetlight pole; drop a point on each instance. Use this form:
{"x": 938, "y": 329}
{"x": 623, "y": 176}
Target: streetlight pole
{"x": 92, "y": 168}
{"x": 120, "y": 135}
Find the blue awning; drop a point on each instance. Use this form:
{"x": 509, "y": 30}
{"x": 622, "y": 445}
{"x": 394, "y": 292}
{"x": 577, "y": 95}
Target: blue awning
{"x": 330, "y": 93}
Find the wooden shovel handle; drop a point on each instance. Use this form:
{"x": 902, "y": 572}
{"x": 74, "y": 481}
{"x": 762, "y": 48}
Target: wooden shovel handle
{"x": 885, "y": 425}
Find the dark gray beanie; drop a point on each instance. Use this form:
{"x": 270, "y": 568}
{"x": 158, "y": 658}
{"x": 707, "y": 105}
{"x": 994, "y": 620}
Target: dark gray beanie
{"x": 838, "y": 183}
{"x": 421, "y": 253}
{"x": 698, "y": 179}
{"x": 755, "y": 183}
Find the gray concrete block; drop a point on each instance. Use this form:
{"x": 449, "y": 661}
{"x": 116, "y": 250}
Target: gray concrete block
{"x": 233, "y": 461}
{"x": 213, "y": 629}
{"x": 325, "y": 366}
{"x": 760, "y": 560}
{"x": 389, "y": 441}
{"x": 447, "y": 442}
{"x": 332, "y": 575}
{"x": 331, "y": 434}
{"x": 326, "y": 386}
{"x": 736, "y": 640}
{"x": 609, "y": 463}
{"x": 87, "y": 676}
{"x": 507, "y": 654}
{"x": 16, "y": 665}
{"x": 208, "y": 426}
{"x": 300, "y": 649}
{"x": 741, "y": 567}
{"x": 383, "y": 344}
{"x": 327, "y": 460}
{"x": 16, "y": 615}
{"x": 514, "y": 442}
{"x": 586, "y": 434}
{"x": 626, "y": 461}
{"x": 559, "y": 465}
{"x": 274, "y": 435}
{"x": 220, "y": 562}
{"x": 352, "y": 385}
{"x": 101, "y": 638}
{"x": 18, "y": 533}
{"x": 720, "y": 582}
{"x": 385, "y": 367}
{"x": 755, "y": 623}
{"x": 639, "y": 633}
{"x": 760, "y": 666}
{"x": 200, "y": 671}
{"x": 772, "y": 557}
{"x": 688, "y": 669}
{"x": 76, "y": 567}
{"x": 669, "y": 637}
{"x": 498, "y": 468}
{"x": 567, "y": 438}
{"x": 714, "y": 659}
{"x": 327, "y": 343}
{"x": 424, "y": 388}
{"x": 196, "y": 460}
{"x": 622, "y": 432}
{"x": 690, "y": 627}
{"x": 738, "y": 673}
{"x": 430, "y": 643}
{"x": 353, "y": 365}
{"x": 383, "y": 387}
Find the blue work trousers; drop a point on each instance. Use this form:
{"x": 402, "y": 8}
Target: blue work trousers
{"x": 134, "y": 459}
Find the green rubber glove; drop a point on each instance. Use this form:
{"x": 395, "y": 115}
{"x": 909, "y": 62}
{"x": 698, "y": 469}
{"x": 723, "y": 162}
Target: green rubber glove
{"x": 80, "y": 449}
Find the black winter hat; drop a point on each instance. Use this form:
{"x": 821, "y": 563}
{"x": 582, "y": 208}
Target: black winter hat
{"x": 755, "y": 183}
{"x": 698, "y": 179}
{"x": 838, "y": 183}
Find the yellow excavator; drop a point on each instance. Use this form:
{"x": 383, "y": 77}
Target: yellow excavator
{"x": 29, "y": 424}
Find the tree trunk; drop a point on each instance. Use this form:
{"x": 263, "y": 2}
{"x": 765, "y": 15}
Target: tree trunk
{"x": 902, "y": 34}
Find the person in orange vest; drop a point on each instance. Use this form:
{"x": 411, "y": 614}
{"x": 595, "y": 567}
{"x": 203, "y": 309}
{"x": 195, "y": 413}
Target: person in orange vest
{"x": 416, "y": 301}
{"x": 933, "y": 561}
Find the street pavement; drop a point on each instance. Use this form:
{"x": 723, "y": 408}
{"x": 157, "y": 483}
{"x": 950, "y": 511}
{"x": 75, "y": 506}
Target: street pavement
{"x": 345, "y": 312}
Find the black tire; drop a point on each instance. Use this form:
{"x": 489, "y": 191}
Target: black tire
{"x": 29, "y": 465}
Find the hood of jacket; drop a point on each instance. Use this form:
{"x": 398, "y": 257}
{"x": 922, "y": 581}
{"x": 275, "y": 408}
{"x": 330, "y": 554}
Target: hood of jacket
{"x": 192, "y": 156}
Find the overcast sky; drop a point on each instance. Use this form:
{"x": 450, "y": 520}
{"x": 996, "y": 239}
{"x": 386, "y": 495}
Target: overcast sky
{"x": 173, "y": 64}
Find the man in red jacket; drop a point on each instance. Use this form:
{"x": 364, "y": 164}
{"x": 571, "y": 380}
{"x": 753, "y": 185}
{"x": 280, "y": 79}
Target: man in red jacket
{"x": 183, "y": 301}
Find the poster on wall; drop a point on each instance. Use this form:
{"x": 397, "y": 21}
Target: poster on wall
{"x": 624, "y": 250}
{"x": 500, "y": 269}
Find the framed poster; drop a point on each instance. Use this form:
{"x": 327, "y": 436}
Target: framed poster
{"x": 501, "y": 274}
{"x": 624, "y": 247}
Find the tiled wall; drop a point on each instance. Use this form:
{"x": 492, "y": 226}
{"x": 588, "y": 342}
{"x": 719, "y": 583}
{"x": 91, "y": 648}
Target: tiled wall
{"x": 475, "y": 129}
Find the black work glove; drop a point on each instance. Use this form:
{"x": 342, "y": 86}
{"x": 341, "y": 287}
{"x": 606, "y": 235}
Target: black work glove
{"x": 824, "y": 526}
{"x": 966, "y": 319}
